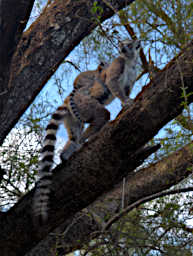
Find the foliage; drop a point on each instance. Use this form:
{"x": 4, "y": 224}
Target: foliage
{"x": 155, "y": 228}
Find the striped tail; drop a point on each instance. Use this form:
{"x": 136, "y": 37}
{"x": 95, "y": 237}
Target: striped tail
{"x": 41, "y": 197}
{"x": 72, "y": 106}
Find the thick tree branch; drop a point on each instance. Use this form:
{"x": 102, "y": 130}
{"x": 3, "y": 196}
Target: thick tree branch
{"x": 43, "y": 47}
{"x": 35, "y": 233}
{"x": 104, "y": 161}
{"x": 13, "y": 19}
{"x": 148, "y": 181}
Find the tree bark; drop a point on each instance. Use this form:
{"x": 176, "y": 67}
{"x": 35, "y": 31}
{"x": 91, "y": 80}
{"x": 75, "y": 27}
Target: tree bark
{"x": 42, "y": 48}
{"x": 78, "y": 230}
{"x": 104, "y": 161}
{"x": 14, "y": 16}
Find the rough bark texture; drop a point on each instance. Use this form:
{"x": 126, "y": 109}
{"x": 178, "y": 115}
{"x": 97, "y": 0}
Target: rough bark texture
{"x": 13, "y": 19}
{"x": 73, "y": 233}
{"x": 104, "y": 161}
{"x": 34, "y": 233}
{"x": 42, "y": 48}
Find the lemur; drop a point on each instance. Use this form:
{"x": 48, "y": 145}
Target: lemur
{"x": 116, "y": 80}
{"x": 65, "y": 113}
{"x": 93, "y": 90}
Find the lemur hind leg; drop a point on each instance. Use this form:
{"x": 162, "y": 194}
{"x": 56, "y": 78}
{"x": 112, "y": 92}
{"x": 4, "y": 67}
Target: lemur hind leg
{"x": 101, "y": 117}
{"x": 92, "y": 112}
{"x": 74, "y": 128}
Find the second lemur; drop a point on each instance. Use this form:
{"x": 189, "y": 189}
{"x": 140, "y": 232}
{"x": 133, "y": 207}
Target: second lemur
{"x": 93, "y": 90}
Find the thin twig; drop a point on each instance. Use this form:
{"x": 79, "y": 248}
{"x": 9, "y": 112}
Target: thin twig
{"x": 71, "y": 63}
{"x": 123, "y": 195}
{"x": 130, "y": 207}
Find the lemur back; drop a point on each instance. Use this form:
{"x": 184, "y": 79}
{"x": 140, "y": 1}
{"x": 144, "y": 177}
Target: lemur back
{"x": 93, "y": 90}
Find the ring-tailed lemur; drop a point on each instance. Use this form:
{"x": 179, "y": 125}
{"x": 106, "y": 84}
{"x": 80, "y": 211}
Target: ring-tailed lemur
{"x": 65, "y": 113}
{"x": 86, "y": 104}
{"x": 115, "y": 81}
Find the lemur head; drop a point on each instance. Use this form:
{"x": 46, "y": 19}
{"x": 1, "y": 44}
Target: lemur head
{"x": 129, "y": 48}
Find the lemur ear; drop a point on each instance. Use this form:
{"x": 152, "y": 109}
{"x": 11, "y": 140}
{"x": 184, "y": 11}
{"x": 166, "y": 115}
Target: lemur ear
{"x": 121, "y": 45}
{"x": 138, "y": 44}
{"x": 101, "y": 66}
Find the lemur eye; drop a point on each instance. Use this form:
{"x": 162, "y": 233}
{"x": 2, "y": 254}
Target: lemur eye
{"x": 129, "y": 45}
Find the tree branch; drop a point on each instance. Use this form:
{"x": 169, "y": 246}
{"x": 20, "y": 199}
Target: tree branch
{"x": 14, "y": 16}
{"x": 146, "y": 182}
{"x": 142, "y": 201}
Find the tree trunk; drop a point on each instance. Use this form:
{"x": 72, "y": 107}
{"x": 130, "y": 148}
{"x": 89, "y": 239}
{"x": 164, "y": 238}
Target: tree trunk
{"x": 13, "y": 19}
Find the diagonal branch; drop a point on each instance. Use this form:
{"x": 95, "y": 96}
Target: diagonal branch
{"x": 14, "y": 16}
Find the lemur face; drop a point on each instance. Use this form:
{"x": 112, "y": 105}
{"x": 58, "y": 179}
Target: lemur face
{"x": 129, "y": 48}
